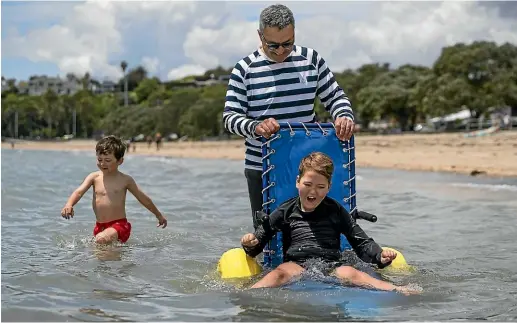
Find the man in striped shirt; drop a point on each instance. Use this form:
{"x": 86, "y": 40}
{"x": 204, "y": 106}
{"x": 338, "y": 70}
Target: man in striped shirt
{"x": 279, "y": 82}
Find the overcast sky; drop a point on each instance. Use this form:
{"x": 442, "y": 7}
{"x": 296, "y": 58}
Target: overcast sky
{"x": 175, "y": 39}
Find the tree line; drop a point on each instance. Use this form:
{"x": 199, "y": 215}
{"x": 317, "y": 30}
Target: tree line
{"x": 475, "y": 76}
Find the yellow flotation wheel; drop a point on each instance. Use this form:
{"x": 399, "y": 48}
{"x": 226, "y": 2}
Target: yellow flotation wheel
{"x": 398, "y": 264}
{"x": 235, "y": 263}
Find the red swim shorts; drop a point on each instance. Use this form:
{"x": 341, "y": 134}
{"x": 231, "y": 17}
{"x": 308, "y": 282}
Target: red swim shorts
{"x": 121, "y": 225}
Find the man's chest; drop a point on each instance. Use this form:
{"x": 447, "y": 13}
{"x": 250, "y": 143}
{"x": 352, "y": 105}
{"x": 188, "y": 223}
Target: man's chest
{"x": 284, "y": 86}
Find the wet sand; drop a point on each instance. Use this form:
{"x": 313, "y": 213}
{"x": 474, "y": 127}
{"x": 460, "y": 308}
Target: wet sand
{"x": 494, "y": 155}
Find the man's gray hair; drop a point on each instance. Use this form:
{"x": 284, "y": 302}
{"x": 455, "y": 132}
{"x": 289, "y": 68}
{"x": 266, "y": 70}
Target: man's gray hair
{"x": 276, "y": 15}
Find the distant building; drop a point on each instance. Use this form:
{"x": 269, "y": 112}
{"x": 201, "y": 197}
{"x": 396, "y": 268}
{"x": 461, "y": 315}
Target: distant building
{"x": 108, "y": 87}
{"x": 224, "y": 78}
{"x": 211, "y": 80}
{"x": 103, "y": 87}
{"x": 38, "y": 85}
{"x": 4, "y": 84}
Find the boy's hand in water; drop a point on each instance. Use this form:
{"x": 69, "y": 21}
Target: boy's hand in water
{"x": 249, "y": 240}
{"x": 387, "y": 256}
{"x": 67, "y": 212}
{"x": 162, "y": 221}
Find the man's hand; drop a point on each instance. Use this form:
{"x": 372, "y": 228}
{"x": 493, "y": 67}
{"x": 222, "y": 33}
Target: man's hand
{"x": 387, "y": 256}
{"x": 267, "y": 127}
{"x": 249, "y": 240}
{"x": 67, "y": 212}
{"x": 344, "y": 128}
{"x": 162, "y": 221}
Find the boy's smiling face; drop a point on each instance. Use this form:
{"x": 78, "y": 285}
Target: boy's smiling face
{"x": 107, "y": 163}
{"x": 312, "y": 188}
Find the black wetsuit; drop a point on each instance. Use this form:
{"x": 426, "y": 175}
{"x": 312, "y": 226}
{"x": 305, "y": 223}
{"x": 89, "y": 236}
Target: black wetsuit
{"x": 316, "y": 234}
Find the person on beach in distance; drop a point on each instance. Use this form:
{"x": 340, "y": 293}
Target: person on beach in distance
{"x": 311, "y": 224}
{"x": 279, "y": 82}
{"x": 109, "y": 194}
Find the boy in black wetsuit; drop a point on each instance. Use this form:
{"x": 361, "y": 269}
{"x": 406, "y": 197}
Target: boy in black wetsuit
{"x": 311, "y": 224}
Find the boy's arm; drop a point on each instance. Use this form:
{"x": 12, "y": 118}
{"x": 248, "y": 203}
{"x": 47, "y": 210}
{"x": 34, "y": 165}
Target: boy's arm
{"x": 79, "y": 192}
{"x": 145, "y": 200}
{"x": 365, "y": 247}
{"x": 265, "y": 231}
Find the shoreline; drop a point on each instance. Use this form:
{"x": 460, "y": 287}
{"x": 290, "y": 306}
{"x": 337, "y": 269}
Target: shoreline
{"x": 493, "y": 155}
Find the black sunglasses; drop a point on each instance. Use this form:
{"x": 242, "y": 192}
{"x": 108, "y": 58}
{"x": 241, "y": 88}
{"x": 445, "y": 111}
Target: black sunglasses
{"x": 274, "y": 46}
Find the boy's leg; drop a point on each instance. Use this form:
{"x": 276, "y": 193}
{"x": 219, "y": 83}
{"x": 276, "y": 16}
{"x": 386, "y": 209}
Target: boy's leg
{"x": 107, "y": 236}
{"x": 356, "y": 277}
{"x": 280, "y": 275}
{"x": 254, "y": 179}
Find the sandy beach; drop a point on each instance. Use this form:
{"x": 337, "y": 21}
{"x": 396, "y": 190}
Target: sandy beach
{"x": 494, "y": 155}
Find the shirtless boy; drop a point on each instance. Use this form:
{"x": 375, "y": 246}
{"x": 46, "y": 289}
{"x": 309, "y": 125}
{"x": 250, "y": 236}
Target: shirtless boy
{"x": 109, "y": 194}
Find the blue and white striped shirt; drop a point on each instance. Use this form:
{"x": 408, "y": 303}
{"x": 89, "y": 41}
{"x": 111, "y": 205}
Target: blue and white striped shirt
{"x": 260, "y": 88}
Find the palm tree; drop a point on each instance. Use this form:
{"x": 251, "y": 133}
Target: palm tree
{"x": 123, "y": 66}
{"x": 86, "y": 81}
{"x": 53, "y": 110}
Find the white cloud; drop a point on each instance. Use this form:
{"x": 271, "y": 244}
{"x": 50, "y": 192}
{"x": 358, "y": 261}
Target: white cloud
{"x": 399, "y": 33}
{"x": 185, "y": 70}
{"x": 211, "y": 47}
{"x": 92, "y": 33}
{"x": 210, "y": 21}
{"x": 38, "y": 13}
{"x": 191, "y": 37}
{"x": 410, "y": 27}
{"x": 150, "y": 64}
{"x": 82, "y": 43}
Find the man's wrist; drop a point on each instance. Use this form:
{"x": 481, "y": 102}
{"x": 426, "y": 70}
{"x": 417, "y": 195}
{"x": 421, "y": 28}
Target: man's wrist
{"x": 254, "y": 128}
{"x": 346, "y": 115}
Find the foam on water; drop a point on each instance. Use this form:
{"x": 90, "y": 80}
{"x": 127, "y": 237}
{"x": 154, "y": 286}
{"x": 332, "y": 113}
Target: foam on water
{"x": 489, "y": 187}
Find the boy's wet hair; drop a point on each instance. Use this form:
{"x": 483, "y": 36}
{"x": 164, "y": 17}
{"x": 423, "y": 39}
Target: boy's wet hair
{"x": 111, "y": 144}
{"x": 317, "y": 162}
